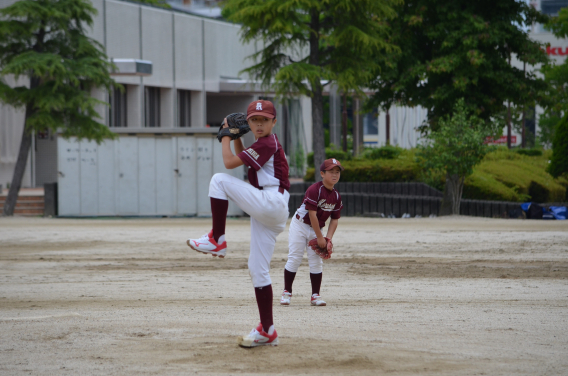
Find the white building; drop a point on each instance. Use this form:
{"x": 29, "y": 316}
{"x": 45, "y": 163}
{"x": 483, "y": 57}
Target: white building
{"x": 167, "y": 151}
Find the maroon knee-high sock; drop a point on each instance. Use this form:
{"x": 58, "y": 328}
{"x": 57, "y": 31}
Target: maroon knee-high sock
{"x": 316, "y": 282}
{"x": 264, "y": 301}
{"x": 288, "y": 280}
{"x": 219, "y": 210}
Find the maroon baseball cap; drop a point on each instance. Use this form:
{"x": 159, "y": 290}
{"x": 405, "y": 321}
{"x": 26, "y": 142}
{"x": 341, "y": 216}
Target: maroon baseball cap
{"x": 330, "y": 163}
{"x": 262, "y": 108}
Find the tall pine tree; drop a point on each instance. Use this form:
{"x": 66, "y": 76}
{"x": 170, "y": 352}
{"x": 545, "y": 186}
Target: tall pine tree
{"x": 46, "y": 41}
{"x": 307, "y": 44}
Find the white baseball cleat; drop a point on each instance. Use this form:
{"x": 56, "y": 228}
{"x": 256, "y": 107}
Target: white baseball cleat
{"x": 286, "y": 297}
{"x": 207, "y": 244}
{"x": 317, "y": 300}
{"x": 258, "y": 337}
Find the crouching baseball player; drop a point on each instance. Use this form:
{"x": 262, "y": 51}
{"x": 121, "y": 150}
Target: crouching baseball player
{"x": 321, "y": 201}
{"x": 265, "y": 199}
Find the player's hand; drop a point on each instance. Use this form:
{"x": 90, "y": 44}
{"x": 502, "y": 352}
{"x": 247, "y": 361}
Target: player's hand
{"x": 322, "y": 243}
{"x": 225, "y": 124}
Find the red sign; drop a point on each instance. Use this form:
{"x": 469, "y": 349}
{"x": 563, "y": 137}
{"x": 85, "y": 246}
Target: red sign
{"x": 500, "y": 140}
{"x": 557, "y": 51}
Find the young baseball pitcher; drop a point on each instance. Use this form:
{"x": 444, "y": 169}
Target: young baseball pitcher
{"x": 321, "y": 202}
{"x": 265, "y": 199}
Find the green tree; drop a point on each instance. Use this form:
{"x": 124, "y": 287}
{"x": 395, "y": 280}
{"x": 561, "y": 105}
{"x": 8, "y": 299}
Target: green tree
{"x": 559, "y": 161}
{"x": 460, "y": 49}
{"x": 305, "y": 45}
{"x": 454, "y": 150}
{"x": 45, "y": 41}
{"x": 556, "y": 104}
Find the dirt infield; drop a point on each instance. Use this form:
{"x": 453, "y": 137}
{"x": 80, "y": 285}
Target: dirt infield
{"x": 430, "y": 296}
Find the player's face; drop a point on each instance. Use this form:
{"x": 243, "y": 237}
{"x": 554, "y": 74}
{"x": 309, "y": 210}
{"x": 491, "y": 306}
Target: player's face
{"x": 261, "y": 126}
{"x": 331, "y": 177}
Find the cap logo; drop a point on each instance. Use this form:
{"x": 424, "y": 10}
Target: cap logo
{"x": 259, "y": 106}
{"x": 334, "y": 161}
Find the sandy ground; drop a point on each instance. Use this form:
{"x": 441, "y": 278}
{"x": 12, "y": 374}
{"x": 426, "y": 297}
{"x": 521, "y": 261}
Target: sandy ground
{"x": 430, "y": 296}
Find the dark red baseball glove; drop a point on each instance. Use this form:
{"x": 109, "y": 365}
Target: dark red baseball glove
{"x": 324, "y": 253}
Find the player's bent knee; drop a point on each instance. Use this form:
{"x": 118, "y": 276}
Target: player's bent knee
{"x": 293, "y": 265}
{"x": 216, "y": 189}
{"x": 316, "y": 269}
{"x": 260, "y": 279}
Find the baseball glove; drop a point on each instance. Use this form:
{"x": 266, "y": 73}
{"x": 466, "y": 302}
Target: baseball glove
{"x": 238, "y": 126}
{"x": 324, "y": 253}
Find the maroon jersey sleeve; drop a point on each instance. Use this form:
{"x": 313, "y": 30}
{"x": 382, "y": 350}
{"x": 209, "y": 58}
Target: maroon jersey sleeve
{"x": 311, "y": 197}
{"x": 259, "y": 153}
{"x": 336, "y": 213}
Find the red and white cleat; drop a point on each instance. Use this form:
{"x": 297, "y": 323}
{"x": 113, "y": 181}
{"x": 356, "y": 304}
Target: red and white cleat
{"x": 286, "y": 297}
{"x": 207, "y": 245}
{"x": 317, "y": 300}
{"x": 258, "y": 337}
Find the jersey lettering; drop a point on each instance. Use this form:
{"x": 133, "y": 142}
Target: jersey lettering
{"x": 324, "y": 206}
{"x": 252, "y": 153}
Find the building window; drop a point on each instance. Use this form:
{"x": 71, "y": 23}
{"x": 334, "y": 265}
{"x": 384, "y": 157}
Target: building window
{"x": 371, "y": 124}
{"x": 117, "y": 108}
{"x": 152, "y": 106}
{"x": 184, "y": 108}
{"x": 552, "y": 7}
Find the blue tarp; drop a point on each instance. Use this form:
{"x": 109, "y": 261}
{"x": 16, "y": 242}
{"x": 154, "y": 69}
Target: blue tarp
{"x": 552, "y": 212}
{"x": 559, "y": 212}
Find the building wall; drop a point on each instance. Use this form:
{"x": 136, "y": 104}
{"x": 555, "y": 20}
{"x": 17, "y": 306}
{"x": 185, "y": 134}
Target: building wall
{"x": 191, "y": 53}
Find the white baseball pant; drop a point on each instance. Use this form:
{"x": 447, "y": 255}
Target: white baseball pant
{"x": 268, "y": 210}
{"x": 298, "y": 237}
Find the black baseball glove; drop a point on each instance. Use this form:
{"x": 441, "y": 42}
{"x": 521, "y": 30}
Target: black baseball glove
{"x": 238, "y": 126}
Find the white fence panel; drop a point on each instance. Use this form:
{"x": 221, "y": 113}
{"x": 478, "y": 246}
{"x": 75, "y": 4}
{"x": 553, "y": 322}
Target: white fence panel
{"x": 165, "y": 176}
{"x": 140, "y": 176}
{"x": 187, "y": 172}
{"x": 147, "y": 175}
{"x": 69, "y": 186}
{"x": 128, "y": 176}
{"x": 204, "y": 172}
{"x": 106, "y": 178}
{"x": 89, "y": 181}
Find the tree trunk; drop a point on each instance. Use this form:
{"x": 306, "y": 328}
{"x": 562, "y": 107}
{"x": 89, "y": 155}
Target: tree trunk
{"x": 318, "y": 134}
{"x": 19, "y": 170}
{"x": 452, "y": 195}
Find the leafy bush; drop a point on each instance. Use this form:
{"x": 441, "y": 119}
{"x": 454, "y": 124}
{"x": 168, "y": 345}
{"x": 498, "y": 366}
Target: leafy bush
{"x": 483, "y": 186}
{"x": 384, "y": 152}
{"x": 340, "y": 155}
{"x": 381, "y": 170}
{"x": 559, "y": 160}
{"x": 529, "y": 152}
{"x": 509, "y": 176}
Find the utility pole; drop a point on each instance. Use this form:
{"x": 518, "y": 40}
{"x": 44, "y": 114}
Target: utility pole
{"x": 509, "y": 116}
{"x": 523, "y": 141}
{"x": 344, "y": 122}
{"x": 388, "y": 127}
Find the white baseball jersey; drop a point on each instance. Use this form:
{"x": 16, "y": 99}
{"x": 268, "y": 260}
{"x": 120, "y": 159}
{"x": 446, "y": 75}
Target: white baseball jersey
{"x": 327, "y": 203}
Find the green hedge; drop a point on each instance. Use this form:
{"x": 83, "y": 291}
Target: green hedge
{"x": 382, "y": 170}
{"x": 503, "y": 175}
{"x": 529, "y": 152}
{"x": 340, "y": 155}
